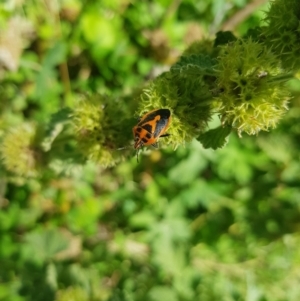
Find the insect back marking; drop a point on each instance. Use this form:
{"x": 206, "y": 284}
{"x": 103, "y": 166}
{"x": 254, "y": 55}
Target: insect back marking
{"x": 150, "y": 127}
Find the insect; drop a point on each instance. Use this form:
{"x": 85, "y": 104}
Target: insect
{"x": 151, "y": 126}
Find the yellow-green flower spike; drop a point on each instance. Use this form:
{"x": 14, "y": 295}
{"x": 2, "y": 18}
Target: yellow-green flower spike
{"x": 19, "y": 153}
{"x": 99, "y": 126}
{"x": 283, "y": 32}
{"x": 250, "y": 98}
{"x": 184, "y": 92}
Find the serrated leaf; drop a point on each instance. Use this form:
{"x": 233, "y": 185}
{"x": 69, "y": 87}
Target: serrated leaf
{"x": 197, "y": 62}
{"x": 215, "y": 138}
{"x": 224, "y": 37}
{"x": 60, "y": 116}
{"x": 55, "y": 127}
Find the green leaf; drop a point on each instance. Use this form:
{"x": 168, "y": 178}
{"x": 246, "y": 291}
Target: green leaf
{"x": 158, "y": 293}
{"x": 51, "y": 275}
{"x": 47, "y": 84}
{"x": 142, "y": 219}
{"x": 55, "y": 126}
{"x": 194, "y": 62}
{"x": 55, "y": 55}
{"x": 215, "y": 138}
{"x": 77, "y": 217}
{"x": 44, "y": 244}
{"x": 224, "y": 37}
{"x": 194, "y": 164}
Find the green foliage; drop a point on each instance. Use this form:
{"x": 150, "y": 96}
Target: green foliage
{"x": 282, "y": 32}
{"x": 215, "y": 138}
{"x": 215, "y": 219}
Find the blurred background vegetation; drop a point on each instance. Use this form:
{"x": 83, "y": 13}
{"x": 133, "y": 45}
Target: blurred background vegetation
{"x": 189, "y": 224}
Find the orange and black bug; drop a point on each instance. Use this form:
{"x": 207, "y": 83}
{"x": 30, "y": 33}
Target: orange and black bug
{"x": 150, "y": 127}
